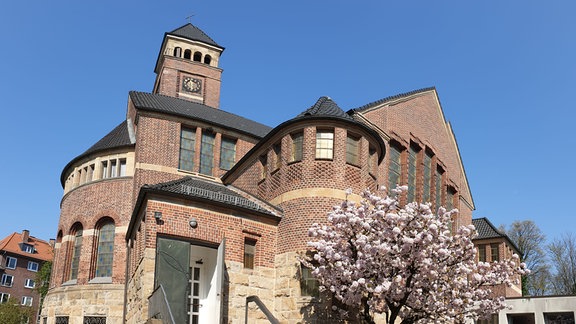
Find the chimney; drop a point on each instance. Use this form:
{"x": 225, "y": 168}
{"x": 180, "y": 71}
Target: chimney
{"x": 25, "y": 236}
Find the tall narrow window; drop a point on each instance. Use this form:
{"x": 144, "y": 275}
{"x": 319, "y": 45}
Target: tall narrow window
{"x": 263, "y": 166}
{"x": 277, "y": 156}
{"x": 297, "y": 145}
{"x": 75, "y": 260}
{"x": 187, "y": 54}
{"x": 394, "y": 167}
{"x": 482, "y": 253}
{"x": 352, "y": 150}
{"x": 177, "y": 52}
{"x": 249, "y": 253}
{"x": 187, "y": 144}
{"x": 122, "y": 171}
{"x": 308, "y": 283}
{"x": 105, "y": 252}
{"x": 372, "y": 161}
{"x": 324, "y": 144}
{"x": 113, "y": 169}
{"x": 412, "y": 160}
{"x": 494, "y": 252}
{"x": 227, "y": 153}
{"x": 427, "y": 177}
{"x": 438, "y": 186}
{"x": 197, "y": 57}
{"x": 207, "y": 152}
{"x": 450, "y": 192}
{"x": 104, "y": 170}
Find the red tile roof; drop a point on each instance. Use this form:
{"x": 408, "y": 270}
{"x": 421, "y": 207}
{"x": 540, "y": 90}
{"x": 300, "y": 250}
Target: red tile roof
{"x": 13, "y": 244}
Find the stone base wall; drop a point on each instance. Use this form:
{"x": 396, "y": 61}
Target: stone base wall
{"x": 140, "y": 287}
{"x": 77, "y": 301}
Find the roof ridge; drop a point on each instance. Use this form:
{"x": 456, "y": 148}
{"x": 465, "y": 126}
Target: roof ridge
{"x": 393, "y": 97}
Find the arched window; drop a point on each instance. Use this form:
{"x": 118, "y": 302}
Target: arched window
{"x": 177, "y": 51}
{"x": 207, "y": 59}
{"x": 76, "y": 231}
{"x": 197, "y": 56}
{"x": 187, "y": 54}
{"x": 105, "y": 248}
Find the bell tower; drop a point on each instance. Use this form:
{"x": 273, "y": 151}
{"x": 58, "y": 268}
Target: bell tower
{"x": 187, "y": 66}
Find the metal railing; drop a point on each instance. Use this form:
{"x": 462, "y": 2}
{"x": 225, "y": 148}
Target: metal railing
{"x": 158, "y": 306}
{"x": 262, "y": 307}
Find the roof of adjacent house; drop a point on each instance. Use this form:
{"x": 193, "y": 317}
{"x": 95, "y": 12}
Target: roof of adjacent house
{"x": 485, "y": 229}
{"x": 197, "y": 111}
{"x": 13, "y": 244}
{"x": 192, "y": 32}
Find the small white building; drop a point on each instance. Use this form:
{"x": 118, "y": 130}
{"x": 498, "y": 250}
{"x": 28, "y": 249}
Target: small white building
{"x": 539, "y": 310}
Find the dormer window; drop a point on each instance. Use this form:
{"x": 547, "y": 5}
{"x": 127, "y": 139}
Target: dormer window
{"x": 27, "y": 248}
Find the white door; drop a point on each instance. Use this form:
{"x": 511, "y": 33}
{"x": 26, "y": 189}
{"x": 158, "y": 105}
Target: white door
{"x": 195, "y": 298}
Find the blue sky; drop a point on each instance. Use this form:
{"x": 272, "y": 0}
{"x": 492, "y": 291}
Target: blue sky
{"x": 505, "y": 72}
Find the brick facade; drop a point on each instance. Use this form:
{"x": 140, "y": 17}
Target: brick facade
{"x": 267, "y": 200}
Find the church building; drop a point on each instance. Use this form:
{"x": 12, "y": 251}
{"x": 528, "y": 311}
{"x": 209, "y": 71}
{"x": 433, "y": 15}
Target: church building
{"x": 186, "y": 213}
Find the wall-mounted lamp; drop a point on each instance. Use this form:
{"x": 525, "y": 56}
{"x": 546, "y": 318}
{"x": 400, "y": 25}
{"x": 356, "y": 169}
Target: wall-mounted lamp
{"x": 193, "y": 222}
{"x": 158, "y": 215}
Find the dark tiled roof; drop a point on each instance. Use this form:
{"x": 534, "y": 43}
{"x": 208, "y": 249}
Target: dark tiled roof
{"x": 391, "y": 98}
{"x": 188, "y": 109}
{"x": 212, "y": 191}
{"x": 118, "y": 137}
{"x": 192, "y": 32}
{"x": 485, "y": 229}
{"x": 325, "y": 107}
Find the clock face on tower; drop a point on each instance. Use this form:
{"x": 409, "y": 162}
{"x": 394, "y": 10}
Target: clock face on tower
{"x": 192, "y": 85}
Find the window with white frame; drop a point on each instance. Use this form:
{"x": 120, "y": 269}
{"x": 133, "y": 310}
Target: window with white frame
{"x": 26, "y": 301}
{"x": 4, "y": 297}
{"x": 29, "y": 283}
{"x": 7, "y": 280}
{"x": 11, "y": 262}
{"x": 32, "y": 266}
{"x": 324, "y": 144}
{"x": 27, "y": 248}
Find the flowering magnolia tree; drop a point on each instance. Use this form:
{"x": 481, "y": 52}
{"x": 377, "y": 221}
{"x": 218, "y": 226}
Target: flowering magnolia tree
{"x": 405, "y": 263}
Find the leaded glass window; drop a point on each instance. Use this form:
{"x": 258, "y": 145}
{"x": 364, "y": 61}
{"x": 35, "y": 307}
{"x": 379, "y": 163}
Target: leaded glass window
{"x": 494, "y": 252}
{"x": 75, "y": 260}
{"x": 482, "y": 253}
{"x": 353, "y": 150}
{"x": 227, "y": 153}
{"x": 207, "y": 152}
{"x": 427, "y": 176}
{"x": 412, "y": 157}
{"x": 187, "y": 144}
{"x": 394, "y": 167}
{"x": 438, "y": 186}
{"x": 297, "y": 146}
{"x": 308, "y": 283}
{"x": 105, "y": 253}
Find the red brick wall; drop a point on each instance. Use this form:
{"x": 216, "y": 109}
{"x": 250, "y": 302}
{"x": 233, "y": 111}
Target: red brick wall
{"x": 86, "y": 205}
{"x": 214, "y": 224}
{"x": 174, "y": 70}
